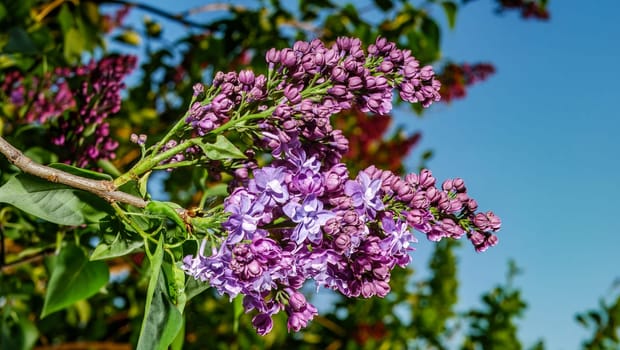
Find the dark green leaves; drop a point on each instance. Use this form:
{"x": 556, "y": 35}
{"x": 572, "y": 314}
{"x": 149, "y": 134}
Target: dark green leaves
{"x": 74, "y": 278}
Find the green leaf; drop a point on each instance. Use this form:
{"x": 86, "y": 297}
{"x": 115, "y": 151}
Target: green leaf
{"x": 74, "y": 45}
{"x": 120, "y": 246}
{"x": 81, "y": 172}
{"x": 166, "y": 209}
{"x": 162, "y": 320}
{"x": 65, "y": 18}
{"x": 73, "y": 278}
{"x": 17, "y": 334}
{"x": 3, "y": 11}
{"x": 20, "y": 42}
{"x": 50, "y": 201}
{"x": 450, "y": 8}
{"x": 194, "y": 287}
{"x": 237, "y": 312}
{"x": 41, "y": 155}
{"x": 222, "y": 149}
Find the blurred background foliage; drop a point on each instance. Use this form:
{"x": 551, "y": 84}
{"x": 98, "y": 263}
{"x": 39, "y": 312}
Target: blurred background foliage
{"x": 38, "y": 37}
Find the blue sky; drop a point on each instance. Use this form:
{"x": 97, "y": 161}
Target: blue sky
{"x": 538, "y": 144}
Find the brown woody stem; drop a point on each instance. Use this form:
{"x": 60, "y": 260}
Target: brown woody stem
{"x": 101, "y": 188}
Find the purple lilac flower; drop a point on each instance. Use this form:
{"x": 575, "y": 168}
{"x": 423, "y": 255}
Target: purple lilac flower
{"x": 365, "y": 195}
{"x": 268, "y": 184}
{"x": 245, "y": 212}
{"x": 398, "y": 240}
{"x": 310, "y": 216}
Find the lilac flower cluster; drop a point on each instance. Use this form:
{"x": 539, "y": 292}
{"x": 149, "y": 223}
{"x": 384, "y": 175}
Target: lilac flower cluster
{"x": 295, "y": 221}
{"x": 302, "y": 217}
{"x": 75, "y": 102}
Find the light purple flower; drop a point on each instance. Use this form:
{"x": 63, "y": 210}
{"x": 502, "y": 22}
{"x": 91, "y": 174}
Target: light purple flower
{"x": 398, "y": 240}
{"x": 309, "y": 216}
{"x": 245, "y": 216}
{"x": 364, "y": 194}
{"x": 269, "y": 185}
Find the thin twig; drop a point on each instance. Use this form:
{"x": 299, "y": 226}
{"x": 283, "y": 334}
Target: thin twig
{"x": 6, "y": 267}
{"x": 101, "y": 188}
{"x": 157, "y": 11}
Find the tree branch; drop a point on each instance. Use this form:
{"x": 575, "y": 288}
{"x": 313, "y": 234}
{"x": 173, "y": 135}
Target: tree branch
{"x": 101, "y": 188}
{"x": 157, "y": 11}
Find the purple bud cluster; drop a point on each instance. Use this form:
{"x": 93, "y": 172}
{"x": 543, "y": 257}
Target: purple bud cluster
{"x": 296, "y": 220}
{"x": 76, "y": 103}
{"x": 306, "y": 85}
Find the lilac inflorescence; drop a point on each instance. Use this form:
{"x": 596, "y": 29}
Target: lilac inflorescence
{"x": 346, "y": 237}
{"x": 303, "y": 217}
{"x": 76, "y": 102}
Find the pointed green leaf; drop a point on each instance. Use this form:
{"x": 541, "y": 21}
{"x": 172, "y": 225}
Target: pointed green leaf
{"x": 222, "y": 149}
{"x": 89, "y": 174}
{"x": 50, "y": 201}
{"x": 74, "y": 45}
{"x": 120, "y": 246}
{"x": 166, "y": 209}
{"x": 73, "y": 278}
{"x": 449, "y": 7}
{"x": 162, "y": 320}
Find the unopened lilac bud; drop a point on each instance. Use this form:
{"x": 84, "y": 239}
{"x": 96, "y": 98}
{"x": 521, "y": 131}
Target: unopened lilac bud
{"x": 339, "y": 74}
{"x": 246, "y": 77}
{"x": 290, "y": 125}
{"x": 494, "y": 222}
{"x": 426, "y": 73}
{"x": 350, "y": 217}
{"x": 198, "y": 89}
{"x": 386, "y": 66}
{"x": 272, "y": 56}
{"x": 241, "y": 173}
{"x": 472, "y": 204}
{"x": 432, "y": 194}
{"x": 288, "y": 58}
{"x": 292, "y": 94}
{"x": 448, "y": 185}
{"x": 342, "y": 242}
{"x": 382, "y": 288}
{"x": 337, "y": 91}
{"x": 296, "y": 300}
{"x": 459, "y": 185}
{"x": 368, "y": 289}
{"x": 344, "y": 43}
{"x": 262, "y": 323}
{"x": 426, "y": 179}
{"x": 355, "y": 83}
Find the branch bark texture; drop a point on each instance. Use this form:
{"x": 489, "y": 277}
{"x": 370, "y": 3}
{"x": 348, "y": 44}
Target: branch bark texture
{"x": 101, "y": 188}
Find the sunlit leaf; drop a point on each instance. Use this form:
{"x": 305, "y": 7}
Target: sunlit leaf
{"x": 222, "y": 149}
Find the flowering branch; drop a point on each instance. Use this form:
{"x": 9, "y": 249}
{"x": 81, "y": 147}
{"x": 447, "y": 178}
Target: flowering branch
{"x": 101, "y": 188}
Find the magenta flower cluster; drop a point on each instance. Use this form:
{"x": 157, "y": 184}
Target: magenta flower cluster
{"x": 75, "y": 103}
{"x": 302, "y": 217}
